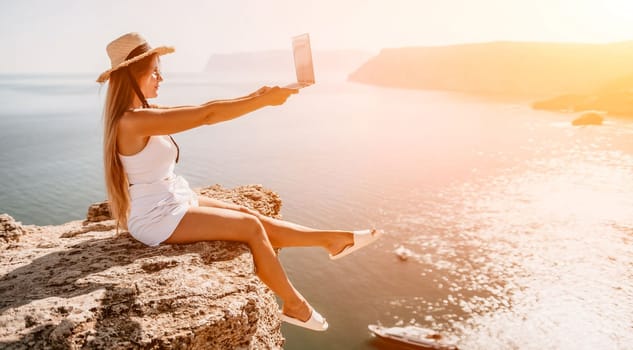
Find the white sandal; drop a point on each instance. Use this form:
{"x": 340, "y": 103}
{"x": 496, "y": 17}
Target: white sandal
{"x": 361, "y": 239}
{"x": 316, "y": 322}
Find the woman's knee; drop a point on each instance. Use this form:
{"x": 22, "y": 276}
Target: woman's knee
{"x": 256, "y": 234}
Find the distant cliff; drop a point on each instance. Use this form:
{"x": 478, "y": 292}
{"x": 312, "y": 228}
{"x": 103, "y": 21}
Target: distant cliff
{"x": 278, "y": 65}
{"x": 78, "y": 286}
{"x": 534, "y": 70}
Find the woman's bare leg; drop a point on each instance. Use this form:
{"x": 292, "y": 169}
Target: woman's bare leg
{"x": 209, "y": 224}
{"x": 287, "y": 234}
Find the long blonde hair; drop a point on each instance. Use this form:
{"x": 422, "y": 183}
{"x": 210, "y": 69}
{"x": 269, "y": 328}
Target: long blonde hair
{"x": 118, "y": 100}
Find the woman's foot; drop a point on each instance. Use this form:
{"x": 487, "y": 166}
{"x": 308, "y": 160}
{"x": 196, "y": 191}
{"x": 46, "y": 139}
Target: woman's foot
{"x": 340, "y": 242}
{"x": 300, "y": 311}
{"x": 359, "y": 239}
{"x": 296, "y": 316}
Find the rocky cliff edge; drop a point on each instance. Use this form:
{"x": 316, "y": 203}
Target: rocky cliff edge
{"x": 78, "y": 285}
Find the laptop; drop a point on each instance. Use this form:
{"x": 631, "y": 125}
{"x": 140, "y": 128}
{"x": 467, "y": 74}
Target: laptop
{"x": 303, "y": 61}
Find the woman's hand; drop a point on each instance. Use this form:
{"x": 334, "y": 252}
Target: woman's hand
{"x": 275, "y": 96}
{"x": 259, "y": 91}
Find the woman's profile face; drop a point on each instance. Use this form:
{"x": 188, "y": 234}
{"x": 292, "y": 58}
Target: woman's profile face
{"x": 150, "y": 82}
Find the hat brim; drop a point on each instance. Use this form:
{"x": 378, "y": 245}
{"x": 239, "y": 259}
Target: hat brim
{"x": 161, "y": 50}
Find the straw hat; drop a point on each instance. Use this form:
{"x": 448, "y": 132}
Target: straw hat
{"x": 120, "y": 49}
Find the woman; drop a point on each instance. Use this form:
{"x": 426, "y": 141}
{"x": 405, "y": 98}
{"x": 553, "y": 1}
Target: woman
{"x": 157, "y": 206}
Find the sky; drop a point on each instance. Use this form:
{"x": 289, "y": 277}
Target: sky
{"x": 70, "y": 36}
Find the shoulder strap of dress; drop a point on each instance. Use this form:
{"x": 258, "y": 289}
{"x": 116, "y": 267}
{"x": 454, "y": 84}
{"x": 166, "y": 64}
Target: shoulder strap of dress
{"x": 177, "y": 148}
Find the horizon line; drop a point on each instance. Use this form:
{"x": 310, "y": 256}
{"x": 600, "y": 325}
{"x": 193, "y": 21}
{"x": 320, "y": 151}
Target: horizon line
{"x": 322, "y": 50}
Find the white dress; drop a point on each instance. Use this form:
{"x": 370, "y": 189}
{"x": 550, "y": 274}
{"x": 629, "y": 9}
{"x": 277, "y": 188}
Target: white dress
{"x": 159, "y": 198}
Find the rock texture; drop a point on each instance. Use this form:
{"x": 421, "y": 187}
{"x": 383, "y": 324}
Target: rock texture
{"x": 78, "y": 285}
{"x": 10, "y": 231}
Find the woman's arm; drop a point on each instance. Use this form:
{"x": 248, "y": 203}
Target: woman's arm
{"x": 251, "y": 95}
{"x": 161, "y": 121}
{"x": 259, "y": 92}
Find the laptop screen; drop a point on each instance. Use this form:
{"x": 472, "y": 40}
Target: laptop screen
{"x": 303, "y": 58}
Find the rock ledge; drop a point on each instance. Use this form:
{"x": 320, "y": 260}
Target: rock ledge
{"x": 77, "y": 285}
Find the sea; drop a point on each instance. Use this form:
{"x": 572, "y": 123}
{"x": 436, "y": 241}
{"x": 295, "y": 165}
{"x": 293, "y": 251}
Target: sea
{"x": 505, "y": 227}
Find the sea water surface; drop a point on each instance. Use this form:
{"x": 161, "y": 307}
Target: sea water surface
{"x": 519, "y": 227}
